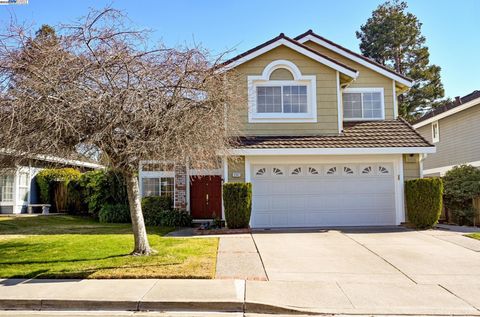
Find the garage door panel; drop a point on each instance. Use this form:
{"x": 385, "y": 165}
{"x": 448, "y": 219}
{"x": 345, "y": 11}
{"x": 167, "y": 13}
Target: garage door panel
{"x": 261, "y": 219}
{"x": 362, "y": 194}
{"x": 280, "y": 219}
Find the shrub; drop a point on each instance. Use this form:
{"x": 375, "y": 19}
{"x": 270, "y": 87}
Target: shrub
{"x": 153, "y": 207}
{"x": 103, "y": 187}
{"x": 237, "y": 200}
{"x": 175, "y": 218}
{"x": 462, "y": 184}
{"x": 424, "y": 201}
{"x": 465, "y": 217}
{"x": 114, "y": 213}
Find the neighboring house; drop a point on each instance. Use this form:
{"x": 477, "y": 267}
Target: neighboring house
{"x": 454, "y": 129}
{"x": 321, "y": 141}
{"x": 17, "y": 183}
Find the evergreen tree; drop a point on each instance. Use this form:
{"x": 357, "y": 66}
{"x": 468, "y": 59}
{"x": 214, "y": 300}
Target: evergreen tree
{"x": 392, "y": 37}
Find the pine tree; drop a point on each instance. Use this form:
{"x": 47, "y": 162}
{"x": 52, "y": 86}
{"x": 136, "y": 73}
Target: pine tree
{"x": 392, "y": 37}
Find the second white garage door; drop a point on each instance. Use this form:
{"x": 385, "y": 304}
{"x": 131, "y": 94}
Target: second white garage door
{"x": 323, "y": 195}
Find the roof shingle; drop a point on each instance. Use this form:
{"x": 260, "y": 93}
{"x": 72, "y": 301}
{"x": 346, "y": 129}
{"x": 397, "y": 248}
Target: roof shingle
{"x": 371, "y": 134}
{"x": 460, "y": 101}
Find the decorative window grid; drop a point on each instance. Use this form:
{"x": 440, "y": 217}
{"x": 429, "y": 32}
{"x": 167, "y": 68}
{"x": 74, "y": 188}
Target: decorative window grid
{"x": 261, "y": 171}
{"x": 331, "y": 170}
{"x": 277, "y": 171}
{"x": 313, "y": 170}
{"x": 348, "y": 170}
{"x": 296, "y": 171}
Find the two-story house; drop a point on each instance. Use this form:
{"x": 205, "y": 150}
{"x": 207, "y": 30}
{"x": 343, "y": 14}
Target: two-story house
{"x": 455, "y": 130}
{"x": 321, "y": 141}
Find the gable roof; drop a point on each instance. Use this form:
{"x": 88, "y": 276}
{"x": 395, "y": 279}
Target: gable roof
{"x": 367, "y": 62}
{"x": 395, "y": 133}
{"x": 296, "y": 46}
{"x": 460, "y": 103}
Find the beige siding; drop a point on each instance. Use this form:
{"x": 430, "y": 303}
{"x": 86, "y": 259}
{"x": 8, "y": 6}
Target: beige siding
{"x": 326, "y": 94}
{"x": 366, "y": 78}
{"x": 236, "y": 165}
{"x": 411, "y": 166}
{"x": 459, "y": 139}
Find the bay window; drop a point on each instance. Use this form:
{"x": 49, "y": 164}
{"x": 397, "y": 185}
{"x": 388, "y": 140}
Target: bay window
{"x": 363, "y": 104}
{"x": 6, "y": 188}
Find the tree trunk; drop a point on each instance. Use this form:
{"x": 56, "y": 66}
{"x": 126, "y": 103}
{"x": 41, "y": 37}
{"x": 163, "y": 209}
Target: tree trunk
{"x": 142, "y": 247}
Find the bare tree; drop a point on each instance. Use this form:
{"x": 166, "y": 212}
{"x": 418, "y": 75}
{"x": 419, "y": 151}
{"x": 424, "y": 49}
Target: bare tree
{"x": 97, "y": 85}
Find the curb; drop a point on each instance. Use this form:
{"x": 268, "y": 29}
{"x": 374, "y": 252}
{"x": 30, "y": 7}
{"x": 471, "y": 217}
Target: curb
{"x": 187, "y": 306}
{"x": 94, "y": 305}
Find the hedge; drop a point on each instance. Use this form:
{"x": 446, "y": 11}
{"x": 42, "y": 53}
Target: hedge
{"x": 102, "y": 187}
{"x": 153, "y": 207}
{"x": 237, "y": 201}
{"x": 424, "y": 201}
{"x": 158, "y": 211}
{"x": 114, "y": 213}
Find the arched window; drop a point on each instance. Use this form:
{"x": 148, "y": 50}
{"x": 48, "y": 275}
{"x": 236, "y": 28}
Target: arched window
{"x": 282, "y": 94}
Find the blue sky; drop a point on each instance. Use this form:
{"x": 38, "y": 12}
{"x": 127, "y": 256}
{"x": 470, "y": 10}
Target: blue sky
{"x": 451, "y": 27}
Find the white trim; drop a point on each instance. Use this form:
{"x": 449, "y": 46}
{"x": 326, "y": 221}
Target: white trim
{"x": 395, "y": 101}
{"x": 442, "y": 115}
{"x": 435, "y": 136}
{"x": 421, "y": 158}
{"x": 339, "y": 105}
{"x": 298, "y": 79}
{"x": 299, "y": 49}
{"x": 248, "y": 167}
{"x": 332, "y": 151}
{"x": 225, "y": 169}
{"x": 361, "y": 91}
{"x": 400, "y": 191}
{"x": 357, "y": 59}
{"x": 54, "y": 159}
{"x": 225, "y": 180}
{"x": 442, "y": 170}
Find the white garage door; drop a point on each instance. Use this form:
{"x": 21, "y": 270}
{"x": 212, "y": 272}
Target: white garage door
{"x": 323, "y": 195}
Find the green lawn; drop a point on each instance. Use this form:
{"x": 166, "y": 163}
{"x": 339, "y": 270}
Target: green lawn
{"x": 74, "y": 247}
{"x": 474, "y": 236}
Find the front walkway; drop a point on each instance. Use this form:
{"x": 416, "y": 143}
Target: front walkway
{"x": 238, "y": 258}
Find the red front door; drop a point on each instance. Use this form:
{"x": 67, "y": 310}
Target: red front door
{"x": 206, "y": 197}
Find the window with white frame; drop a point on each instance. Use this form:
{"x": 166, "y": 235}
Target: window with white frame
{"x": 363, "y": 104}
{"x": 282, "y": 99}
{"x": 158, "y": 186}
{"x": 6, "y": 188}
{"x": 272, "y": 100}
{"x": 23, "y": 185}
{"x": 435, "y": 132}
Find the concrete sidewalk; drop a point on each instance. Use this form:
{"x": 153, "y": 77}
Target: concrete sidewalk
{"x": 280, "y": 297}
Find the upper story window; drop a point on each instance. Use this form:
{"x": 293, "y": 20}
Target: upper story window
{"x": 435, "y": 132}
{"x": 282, "y": 99}
{"x": 363, "y": 104}
{"x": 286, "y": 96}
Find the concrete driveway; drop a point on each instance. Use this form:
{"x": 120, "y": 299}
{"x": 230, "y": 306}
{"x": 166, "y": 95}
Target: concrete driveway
{"x": 370, "y": 255}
